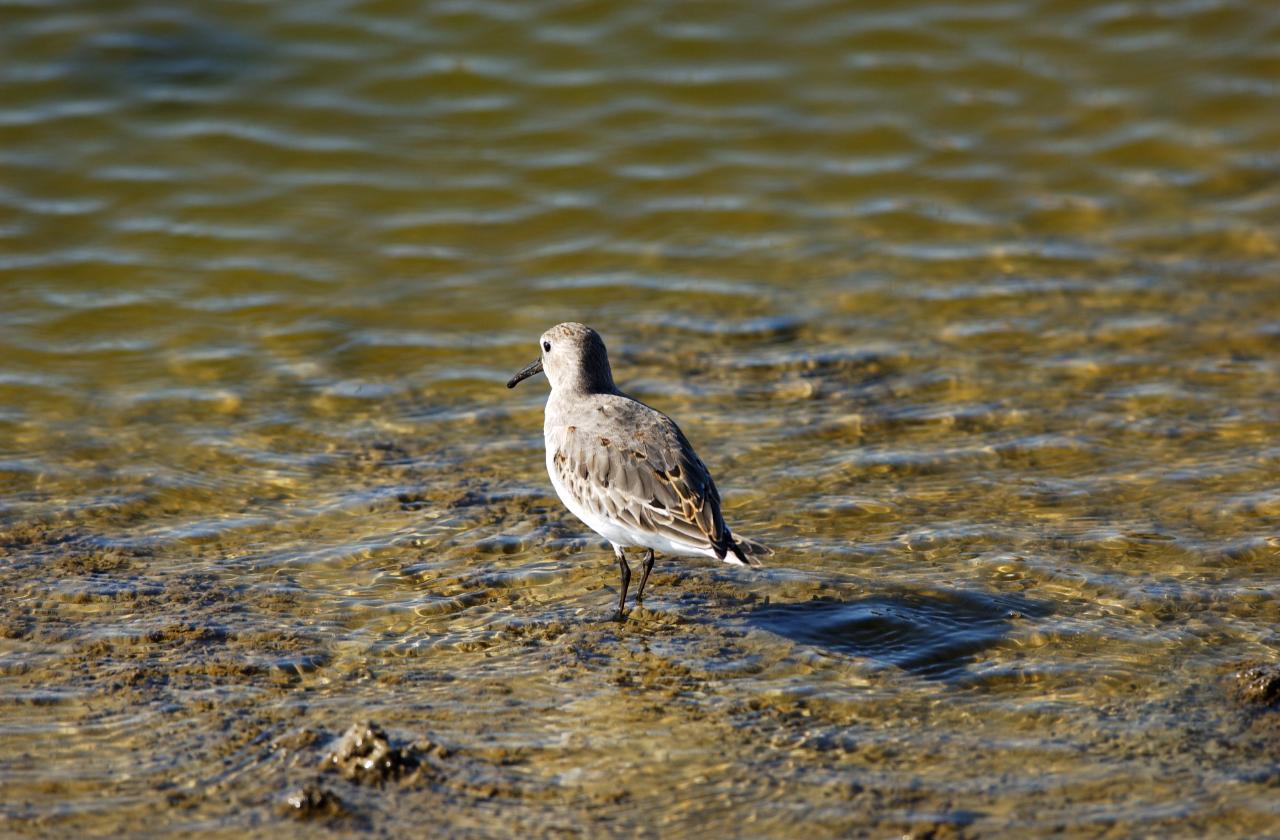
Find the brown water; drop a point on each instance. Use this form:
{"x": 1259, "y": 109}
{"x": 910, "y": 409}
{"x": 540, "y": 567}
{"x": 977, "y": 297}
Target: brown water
{"x": 972, "y": 308}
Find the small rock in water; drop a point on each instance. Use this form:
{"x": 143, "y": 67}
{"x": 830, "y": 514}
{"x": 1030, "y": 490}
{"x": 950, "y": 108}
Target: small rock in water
{"x": 365, "y": 755}
{"x": 1259, "y": 684}
{"x": 313, "y": 802}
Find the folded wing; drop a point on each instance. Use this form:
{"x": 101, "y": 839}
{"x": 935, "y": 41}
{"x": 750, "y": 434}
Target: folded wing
{"x": 652, "y": 481}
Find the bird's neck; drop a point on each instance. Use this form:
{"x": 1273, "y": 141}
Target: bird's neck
{"x": 585, "y": 383}
{"x": 578, "y": 389}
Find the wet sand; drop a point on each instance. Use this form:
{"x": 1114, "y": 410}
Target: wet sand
{"x": 970, "y": 309}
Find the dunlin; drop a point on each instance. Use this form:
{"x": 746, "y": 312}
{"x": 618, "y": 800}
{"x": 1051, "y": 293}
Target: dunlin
{"x": 623, "y": 468}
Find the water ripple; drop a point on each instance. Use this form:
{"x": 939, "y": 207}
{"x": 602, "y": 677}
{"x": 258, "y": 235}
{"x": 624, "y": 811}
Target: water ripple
{"x": 969, "y": 308}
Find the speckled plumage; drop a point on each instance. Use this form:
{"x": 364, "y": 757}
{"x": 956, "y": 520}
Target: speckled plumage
{"x": 623, "y": 468}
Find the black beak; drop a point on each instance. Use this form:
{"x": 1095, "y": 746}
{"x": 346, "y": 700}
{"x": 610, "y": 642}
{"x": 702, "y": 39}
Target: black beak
{"x": 524, "y": 373}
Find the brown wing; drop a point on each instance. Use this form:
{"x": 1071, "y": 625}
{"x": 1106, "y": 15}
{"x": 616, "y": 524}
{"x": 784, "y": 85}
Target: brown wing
{"x": 650, "y": 479}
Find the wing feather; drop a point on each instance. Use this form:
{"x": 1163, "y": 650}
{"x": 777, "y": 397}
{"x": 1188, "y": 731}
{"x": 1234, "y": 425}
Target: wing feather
{"x": 651, "y": 480}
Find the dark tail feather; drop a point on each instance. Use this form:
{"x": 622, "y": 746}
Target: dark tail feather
{"x": 749, "y": 551}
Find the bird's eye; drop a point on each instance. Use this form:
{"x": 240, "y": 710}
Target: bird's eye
{"x": 546, "y": 345}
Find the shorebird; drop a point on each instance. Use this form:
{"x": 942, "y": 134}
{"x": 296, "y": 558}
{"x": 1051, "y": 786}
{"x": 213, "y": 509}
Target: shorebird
{"x": 623, "y": 468}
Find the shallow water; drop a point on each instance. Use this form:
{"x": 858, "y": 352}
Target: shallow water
{"x": 971, "y": 309}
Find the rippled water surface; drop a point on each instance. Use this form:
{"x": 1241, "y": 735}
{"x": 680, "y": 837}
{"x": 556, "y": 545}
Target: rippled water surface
{"x": 972, "y": 308}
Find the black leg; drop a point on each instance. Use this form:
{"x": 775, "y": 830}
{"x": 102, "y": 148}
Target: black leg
{"x": 644, "y": 575}
{"x": 626, "y": 581}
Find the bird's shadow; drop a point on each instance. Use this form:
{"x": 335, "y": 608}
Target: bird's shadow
{"x": 934, "y": 634}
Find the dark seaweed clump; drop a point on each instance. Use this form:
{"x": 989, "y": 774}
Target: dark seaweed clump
{"x": 312, "y": 802}
{"x": 1259, "y": 684}
{"x": 365, "y": 755}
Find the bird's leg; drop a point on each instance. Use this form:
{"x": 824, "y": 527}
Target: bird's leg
{"x": 644, "y": 575}
{"x": 626, "y": 581}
